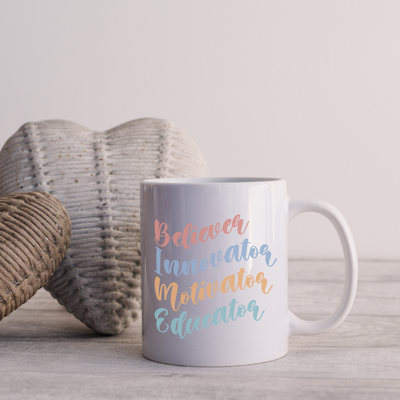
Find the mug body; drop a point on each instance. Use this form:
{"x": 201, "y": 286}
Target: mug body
{"x": 214, "y": 270}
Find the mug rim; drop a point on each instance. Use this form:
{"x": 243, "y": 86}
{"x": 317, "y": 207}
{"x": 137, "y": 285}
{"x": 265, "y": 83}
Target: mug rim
{"x": 210, "y": 180}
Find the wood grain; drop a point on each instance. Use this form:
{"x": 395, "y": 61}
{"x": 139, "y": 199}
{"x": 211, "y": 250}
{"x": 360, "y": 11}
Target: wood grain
{"x": 41, "y": 342}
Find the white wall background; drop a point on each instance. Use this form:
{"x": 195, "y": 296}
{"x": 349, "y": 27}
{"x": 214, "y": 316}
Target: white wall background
{"x": 305, "y": 90}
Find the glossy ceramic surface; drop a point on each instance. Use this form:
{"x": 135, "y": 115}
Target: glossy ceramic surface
{"x": 214, "y": 270}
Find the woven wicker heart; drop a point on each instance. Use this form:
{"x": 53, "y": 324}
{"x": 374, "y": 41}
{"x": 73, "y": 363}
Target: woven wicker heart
{"x": 35, "y": 231}
{"x": 96, "y": 176}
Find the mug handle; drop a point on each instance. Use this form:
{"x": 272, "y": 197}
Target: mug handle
{"x": 298, "y": 326}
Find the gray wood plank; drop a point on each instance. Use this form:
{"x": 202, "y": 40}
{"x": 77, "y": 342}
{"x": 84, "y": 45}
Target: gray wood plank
{"x": 74, "y": 386}
{"x": 46, "y": 353}
{"x": 182, "y": 386}
{"x": 318, "y": 298}
{"x": 102, "y": 358}
{"x": 333, "y": 270}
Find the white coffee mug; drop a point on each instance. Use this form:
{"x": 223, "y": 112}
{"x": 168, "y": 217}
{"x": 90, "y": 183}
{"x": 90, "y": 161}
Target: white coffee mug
{"x": 215, "y": 270}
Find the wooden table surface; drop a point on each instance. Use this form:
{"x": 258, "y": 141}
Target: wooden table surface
{"x": 46, "y": 353}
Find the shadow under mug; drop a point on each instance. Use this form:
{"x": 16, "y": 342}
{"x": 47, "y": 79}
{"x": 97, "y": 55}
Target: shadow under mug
{"x": 215, "y": 270}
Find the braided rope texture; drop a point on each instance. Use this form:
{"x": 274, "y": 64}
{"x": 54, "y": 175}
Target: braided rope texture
{"x": 96, "y": 175}
{"x": 35, "y": 231}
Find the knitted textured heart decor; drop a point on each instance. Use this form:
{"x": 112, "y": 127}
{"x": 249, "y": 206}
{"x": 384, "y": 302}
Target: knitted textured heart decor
{"x": 35, "y": 231}
{"x": 96, "y": 176}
